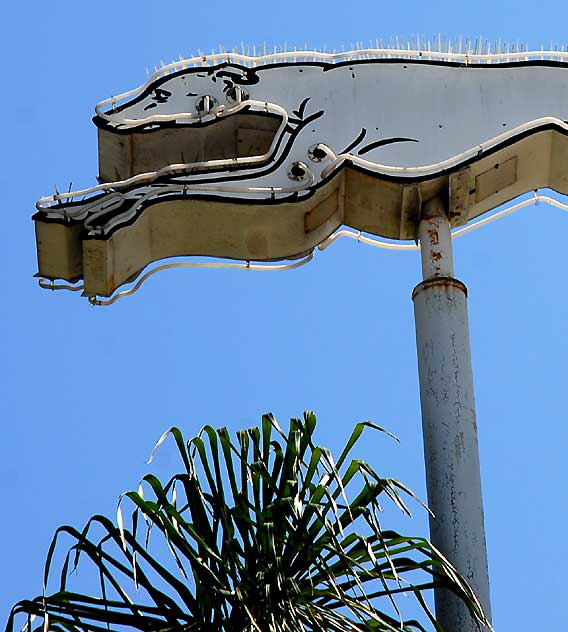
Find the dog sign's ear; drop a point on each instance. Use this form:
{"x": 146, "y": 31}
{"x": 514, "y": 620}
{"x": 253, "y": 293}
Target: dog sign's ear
{"x": 262, "y": 158}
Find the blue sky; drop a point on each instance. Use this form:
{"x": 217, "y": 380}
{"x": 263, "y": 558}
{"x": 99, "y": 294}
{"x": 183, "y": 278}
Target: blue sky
{"x": 86, "y": 391}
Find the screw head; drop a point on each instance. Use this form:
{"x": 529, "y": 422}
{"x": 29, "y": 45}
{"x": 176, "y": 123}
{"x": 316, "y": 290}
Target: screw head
{"x": 205, "y": 104}
{"x": 316, "y": 153}
{"x": 298, "y": 171}
{"x": 237, "y": 94}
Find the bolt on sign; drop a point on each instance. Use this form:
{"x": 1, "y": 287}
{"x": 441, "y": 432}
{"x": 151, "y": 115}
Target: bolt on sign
{"x": 261, "y": 158}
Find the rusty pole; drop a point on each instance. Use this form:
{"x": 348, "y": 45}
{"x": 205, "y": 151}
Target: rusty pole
{"x": 448, "y": 418}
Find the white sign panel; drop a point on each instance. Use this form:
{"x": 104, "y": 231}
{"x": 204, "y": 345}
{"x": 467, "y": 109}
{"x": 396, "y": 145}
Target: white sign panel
{"x": 263, "y": 159}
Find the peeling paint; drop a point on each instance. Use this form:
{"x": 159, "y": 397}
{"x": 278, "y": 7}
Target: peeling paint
{"x": 434, "y": 236}
{"x": 449, "y": 425}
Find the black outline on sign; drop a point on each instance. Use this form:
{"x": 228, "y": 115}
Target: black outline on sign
{"x": 40, "y": 216}
{"x": 250, "y": 76}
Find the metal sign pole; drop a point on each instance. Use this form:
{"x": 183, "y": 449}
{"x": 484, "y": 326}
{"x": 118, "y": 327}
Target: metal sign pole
{"x": 448, "y": 418}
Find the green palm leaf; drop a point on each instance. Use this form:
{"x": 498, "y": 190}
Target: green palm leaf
{"x": 256, "y": 534}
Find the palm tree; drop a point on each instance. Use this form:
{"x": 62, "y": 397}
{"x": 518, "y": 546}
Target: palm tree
{"x": 255, "y": 535}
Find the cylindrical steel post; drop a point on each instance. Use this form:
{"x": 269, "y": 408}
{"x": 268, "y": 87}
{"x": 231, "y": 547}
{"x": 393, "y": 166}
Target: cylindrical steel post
{"x": 448, "y": 419}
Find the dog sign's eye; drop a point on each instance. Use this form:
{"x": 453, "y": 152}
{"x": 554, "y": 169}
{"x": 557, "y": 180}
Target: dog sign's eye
{"x": 159, "y": 96}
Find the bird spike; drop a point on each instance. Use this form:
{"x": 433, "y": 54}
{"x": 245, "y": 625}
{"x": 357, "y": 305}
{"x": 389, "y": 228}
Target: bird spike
{"x": 375, "y": 49}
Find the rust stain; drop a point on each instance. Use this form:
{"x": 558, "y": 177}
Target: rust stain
{"x": 443, "y": 282}
{"x": 434, "y": 237}
{"x": 436, "y": 256}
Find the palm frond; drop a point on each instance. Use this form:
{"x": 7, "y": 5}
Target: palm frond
{"x": 254, "y": 534}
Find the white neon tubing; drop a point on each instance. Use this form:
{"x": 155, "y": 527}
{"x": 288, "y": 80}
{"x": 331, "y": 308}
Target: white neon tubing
{"x": 358, "y": 236}
{"x": 51, "y": 285}
{"x": 337, "y": 161}
{"x": 145, "y": 178}
{"x": 466, "y": 57}
{"x": 376, "y": 243}
{"x": 114, "y": 200}
{"x": 126, "y": 215}
{"x": 227, "y": 266}
{"x": 196, "y": 188}
{"x": 445, "y": 164}
{"x": 216, "y": 112}
{"x": 536, "y": 199}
